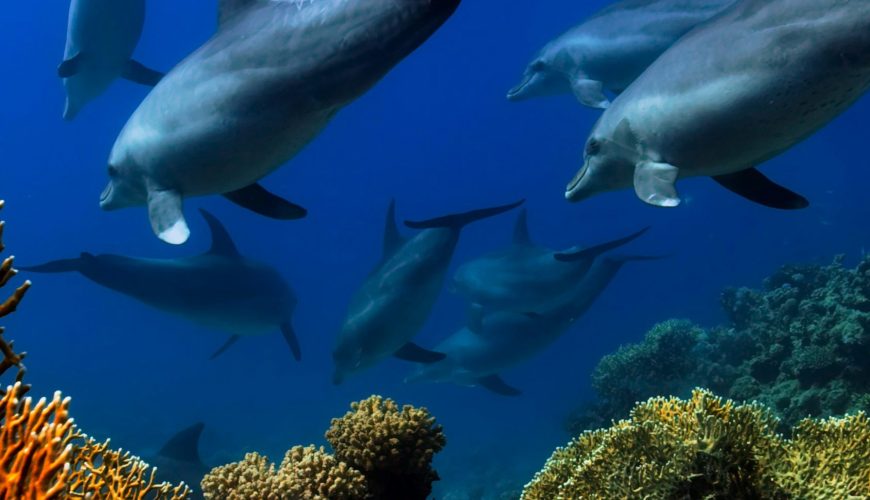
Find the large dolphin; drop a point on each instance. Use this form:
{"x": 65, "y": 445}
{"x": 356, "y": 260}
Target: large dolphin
{"x": 255, "y": 95}
{"x": 220, "y": 289}
{"x": 477, "y": 354}
{"x": 611, "y": 48}
{"x": 100, "y": 40}
{"x": 178, "y": 460}
{"x": 525, "y": 276}
{"x": 727, "y": 97}
{"x": 395, "y": 300}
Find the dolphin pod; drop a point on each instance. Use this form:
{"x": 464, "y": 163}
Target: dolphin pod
{"x": 611, "y": 48}
{"x": 732, "y": 94}
{"x": 394, "y": 302}
{"x": 525, "y": 276}
{"x": 101, "y": 38}
{"x": 220, "y": 289}
{"x": 252, "y": 97}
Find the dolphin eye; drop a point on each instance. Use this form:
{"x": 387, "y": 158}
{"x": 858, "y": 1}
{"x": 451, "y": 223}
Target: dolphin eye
{"x": 113, "y": 171}
{"x": 539, "y": 65}
{"x": 593, "y": 147}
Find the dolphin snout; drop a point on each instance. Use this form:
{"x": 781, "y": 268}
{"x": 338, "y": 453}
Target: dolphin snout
{"x": 518, "y": 93}
{"x": 574, "y": 191}
{"x": 106, "y": 197}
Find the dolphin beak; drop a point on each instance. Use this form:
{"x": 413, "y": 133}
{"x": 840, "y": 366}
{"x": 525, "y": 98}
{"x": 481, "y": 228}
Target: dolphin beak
{"x": 518, "y": 93}
{"x": 574, "y": 191}
{"x": 106, "y": 197}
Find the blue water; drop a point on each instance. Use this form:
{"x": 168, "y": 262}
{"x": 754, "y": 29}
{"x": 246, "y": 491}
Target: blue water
{"x": 438, "y": 135}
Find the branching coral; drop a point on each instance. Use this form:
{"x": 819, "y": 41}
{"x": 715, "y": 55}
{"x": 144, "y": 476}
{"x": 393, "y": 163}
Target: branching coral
{"x": 393, "y": 447}
{"x": 709, "y": 448}
{"x": 11, "y": 359}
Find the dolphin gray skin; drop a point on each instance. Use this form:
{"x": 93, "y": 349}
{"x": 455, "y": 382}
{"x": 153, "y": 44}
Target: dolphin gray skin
{"x": 220, "y": 289}
{"x": 178, "y": 460}
{"x": 255, "y": 95}
{"x": 730, "y": 95}
{"x": 611, "y": 48}
{"x": 525, "y": 276}
{"x": 395, "y": 300}
{"x": 100, "y": 40}
{"x": 477, "y": 354}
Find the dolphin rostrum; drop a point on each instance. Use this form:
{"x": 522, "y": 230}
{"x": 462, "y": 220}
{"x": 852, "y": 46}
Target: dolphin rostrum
{"x": 100, "y": 40}
{"x": 220, "y": 289}
{"x": 395, "y": 300}
{"x": 254, "y": 96}
{"x": 611, "y": 48}
{"x": 732, "y": 94}
{"x": 178, "y": 460}
{"x": 492, "y": 342}
{"x": 525, "y": 277}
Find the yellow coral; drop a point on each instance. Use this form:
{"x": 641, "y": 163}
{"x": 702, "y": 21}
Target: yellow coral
{"x": 709, "y": 448}
{"x": 251, "y": 478}
{"x": 309, "y": 473}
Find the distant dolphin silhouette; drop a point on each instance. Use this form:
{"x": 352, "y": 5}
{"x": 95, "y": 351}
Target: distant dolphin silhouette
{"x": 493, "y": 342}
{"x": 525, "y": 276}
{"x": 396, "y": 299}
{"x": 220, "y": 289}
{"x": 178, "y": 460}
{"x": 101, "y": 37}
{"x": 253, "y": 96}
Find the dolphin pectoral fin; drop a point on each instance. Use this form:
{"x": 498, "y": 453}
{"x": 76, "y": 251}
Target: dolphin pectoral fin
{"x": 754, "y": 186}
{"x": 184, "y": 446}
{"x": 69, "y": 67}
{"x": 416, "y": 354}
{"x": 292, "y": 340}
{"x": 590, "y": 93}
{"x": 167, "y": 219}
{"x": 654, "y": 183}
{"x": 258, "y": 200}
{"x": 136, "y": 72}
{"x": 226, "y": 345}
{"x": 496, "y": 384}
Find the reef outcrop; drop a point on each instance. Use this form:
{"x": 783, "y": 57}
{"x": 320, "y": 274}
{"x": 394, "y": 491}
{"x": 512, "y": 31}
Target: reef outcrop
{"x": 799, "y": 345}
{"x": 707, "y": 447}
{"x": 381, "y": 452}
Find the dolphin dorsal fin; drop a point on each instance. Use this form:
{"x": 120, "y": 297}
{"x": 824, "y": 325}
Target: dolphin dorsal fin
{"x": 221, "y": 243}
{"x": 392, "y": 238}
{"x": 184, "y": 446}
{"x": 521, "y": 229}
{"x": 227, "y": 9}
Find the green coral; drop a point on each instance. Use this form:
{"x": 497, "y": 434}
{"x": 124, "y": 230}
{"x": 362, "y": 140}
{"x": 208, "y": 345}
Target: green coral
{"x": 709, "y": 448}
{"x": 798, "y": 345}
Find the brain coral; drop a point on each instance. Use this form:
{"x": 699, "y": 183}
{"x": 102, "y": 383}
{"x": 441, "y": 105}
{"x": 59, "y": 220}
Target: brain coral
{"x": 393, "y": 447}
{"x": 709, "y": 448}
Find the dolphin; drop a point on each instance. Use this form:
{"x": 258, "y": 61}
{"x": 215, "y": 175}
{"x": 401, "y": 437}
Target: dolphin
{"x": 611, "y": 48}
{"x": 220, "y": 289}
{"x": 493, "y": 342}
{"x": 178, "y": 460}
{"x": 100, "y": 40}
{"x": 525, "y": 276}
{"x": 395, "y": 300}
{"x": 732, "y": 94}
{"x": 253, "y": 96}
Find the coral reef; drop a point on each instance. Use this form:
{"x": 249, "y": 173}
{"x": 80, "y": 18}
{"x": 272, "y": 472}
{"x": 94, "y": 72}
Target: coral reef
{"x": 43, "y": 455}
{"x": 381, "y": 452}
{"x": 393, "y": 447}
{"x": 709, "y": 448}
{"x": 799, "y": 346}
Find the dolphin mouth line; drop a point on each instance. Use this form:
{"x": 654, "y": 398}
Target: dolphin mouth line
{"x": 572, "y": 192}
{"x": 516, "y": 92}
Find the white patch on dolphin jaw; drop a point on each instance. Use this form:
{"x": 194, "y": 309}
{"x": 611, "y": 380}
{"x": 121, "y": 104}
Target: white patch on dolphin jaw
{"x": 574, "y": 190}
{"x": 177, "y": 234}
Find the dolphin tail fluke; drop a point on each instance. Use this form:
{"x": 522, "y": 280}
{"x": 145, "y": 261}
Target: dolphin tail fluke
{"x": 593, "y": 252}
{"x": 292, "y": 340}
{"x": 416, "y": 354}
{"x": 226, "y": 345}
{"x": 458, "y": 221}
{"x": 57, "y": 266}
{"x": 496, "y": 384}
{"x": 184, "y": 446}
{"x": 258, "y": 200}
{"x": 137, "y": 72}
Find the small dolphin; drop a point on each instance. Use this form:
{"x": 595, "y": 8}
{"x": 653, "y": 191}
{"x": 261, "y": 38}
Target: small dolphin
{"x": 611, "y": 48}
{"x": 100, "y": 40}
{"x": 394, "y": 302}
{"x": 179, "y": 459}
{"x": 727, "y": 97}
{"x": 494, "y": 342}
{"x": 525, "y": 276}
{"x": 220, "y": 289}
{"x": 255, "y": 95}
